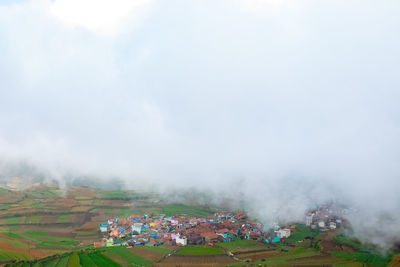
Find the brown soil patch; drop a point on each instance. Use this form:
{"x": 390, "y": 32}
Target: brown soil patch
{"x": 49, "y": 219}
{"x": 113, "y": 203}
{"x": 64, "y": 202}
{"x": 85, "y": 202}
{"x": 197, "y": 261}
{"x": 326, "y": 247}
{"x": 89, "y": 227}
{"x": 260, "y": 255}
{"x": 395, "y": 261}
{"x": 147, "y": 254}
{"x": 33, "y": 252}
{"x": 81, "y": 208}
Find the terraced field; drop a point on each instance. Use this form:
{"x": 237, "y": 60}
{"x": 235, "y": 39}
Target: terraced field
{"x": 43, "y": 220}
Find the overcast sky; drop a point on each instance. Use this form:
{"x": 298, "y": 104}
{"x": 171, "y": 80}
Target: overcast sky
{"x": 296, "y": 99}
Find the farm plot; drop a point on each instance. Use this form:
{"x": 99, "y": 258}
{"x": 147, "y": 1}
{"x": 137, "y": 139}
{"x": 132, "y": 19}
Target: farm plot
{"x": 197, "y": 250}
{"x": 148, "y": 254}
{"x": 242, "y": 245}
{"x": 197, "y": 261}
{"x": 126, "y": 257}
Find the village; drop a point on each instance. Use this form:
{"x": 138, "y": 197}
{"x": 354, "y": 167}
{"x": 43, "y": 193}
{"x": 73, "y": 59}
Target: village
{"x": 161, "y": 230}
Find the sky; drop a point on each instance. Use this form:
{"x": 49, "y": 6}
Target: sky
{"x": 280, "y": 103}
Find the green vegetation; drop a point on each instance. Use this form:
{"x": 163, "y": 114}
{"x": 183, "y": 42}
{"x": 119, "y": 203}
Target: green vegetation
{"x": 85, "y": 260}
{"x": 161, "y": 250}
{"x": 120, "y": 195}
{"x": 33, "y": 219}
{"x": 64, "y": 218}
{"x": 15, "y": 243}
{"x": 101, "y": 260}
{"x": 43, "y": 240}
{"x": 5, "y": 206}
{"x": 13, "y": 220}
{"x": 343, "y": 239}
{"x": 127, "y": 255}
{"x": 62, "y": 262}
{"x": 44, "y": 193}
{"x": 6, "y": 255}
{"x": 302, "y": 233}
{"x": 12, "y": 235}
{"x": 242, "y": 245}
{"x": 197, "y": 250}
{"x": 170, "y": 210}
{"x": 83, "y": 198}
{"x": 38, "y": 205}
{"x": 87, "y": 233}
{"x": 73, "y": 261}
{"x": 282, "y": 260}
{"x": 369, "y": 258}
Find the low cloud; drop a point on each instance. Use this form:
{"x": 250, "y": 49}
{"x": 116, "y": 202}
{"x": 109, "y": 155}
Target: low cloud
{"x": 280, "y": 109}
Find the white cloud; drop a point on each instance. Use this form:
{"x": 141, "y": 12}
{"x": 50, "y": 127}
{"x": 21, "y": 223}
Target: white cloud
{"x": 104, "y": 17}
{"x": 295, "y": 101}
{"x": 256, "y": 5}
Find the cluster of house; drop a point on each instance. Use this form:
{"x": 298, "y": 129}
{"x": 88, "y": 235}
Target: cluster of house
{"x": 325, "y": 217}
{"x": 180, "y": 231}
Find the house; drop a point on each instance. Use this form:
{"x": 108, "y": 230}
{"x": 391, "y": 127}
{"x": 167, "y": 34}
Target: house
{"x": 225, "y": 234}
{"x": 109, "y": 242}
{"x": 137, "y": 227}
{"x": 283, "y": 233}
{"x": 103, "y": 228}
{"x": 114, "y": 233}
{"x": 309, "y": 219}
{"x": 210, "y": 237}
{"x": 181, "y": 241}
{"x": 276, "y": 239}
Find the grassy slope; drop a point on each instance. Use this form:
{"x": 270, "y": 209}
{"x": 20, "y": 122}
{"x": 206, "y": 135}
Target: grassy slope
{"x": 242, "y": 245}
{"x": 197, "y": 250}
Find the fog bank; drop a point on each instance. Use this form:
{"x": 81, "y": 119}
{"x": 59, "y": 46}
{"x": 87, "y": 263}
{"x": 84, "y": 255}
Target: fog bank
{"x": 280, "y": 104}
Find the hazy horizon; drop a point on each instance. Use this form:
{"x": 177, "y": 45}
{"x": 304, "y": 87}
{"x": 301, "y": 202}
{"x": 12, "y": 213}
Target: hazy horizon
{"x": 284, "y": 103}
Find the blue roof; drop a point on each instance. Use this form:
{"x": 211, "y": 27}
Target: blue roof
{"x": 276, "y": 239}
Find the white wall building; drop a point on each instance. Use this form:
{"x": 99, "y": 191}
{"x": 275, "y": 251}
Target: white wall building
{"x": 283, "y": 233}
{"x": 181, "y": 241}
{"x": 309, "y": 219}
{"x": 137, "y": 227}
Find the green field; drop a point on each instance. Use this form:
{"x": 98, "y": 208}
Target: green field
{"x": 73, "y": 260}
{"x": 33, "y": 219}
{"x": 161, "y": 250}
{"x": 170, "y": 210}
{"x": 43, "y": 240}
{"x": 301, "y": 233}
{"x": 127, "y": 256}
{"x": 14, "y": 220}
{"x": 15, "y": 243}
{"x": 101, "y": 260}
{"x": 242, "y": 245}
{"x": 64, "y": 218}
{"x": 6, "y": 255}
{"x": 369, "y": 258}
{"x": 115, "y": 195}
{"x": 198, "y": 250}
{"x": 85, "y": 260}
{"x": 346, "y": 240}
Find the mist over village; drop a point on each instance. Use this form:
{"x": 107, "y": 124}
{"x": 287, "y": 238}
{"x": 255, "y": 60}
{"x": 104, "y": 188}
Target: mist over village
{"x": 199, "y": 133}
